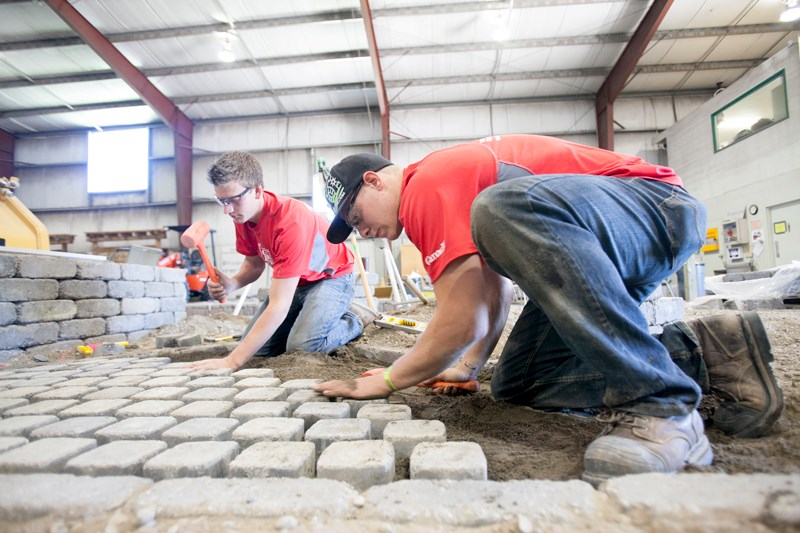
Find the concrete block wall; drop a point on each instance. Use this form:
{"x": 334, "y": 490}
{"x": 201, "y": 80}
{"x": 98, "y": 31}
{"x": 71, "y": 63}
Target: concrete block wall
{"x": 52, "y": 304}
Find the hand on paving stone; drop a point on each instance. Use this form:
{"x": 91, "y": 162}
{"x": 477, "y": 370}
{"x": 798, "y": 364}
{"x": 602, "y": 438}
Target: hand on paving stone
{"x": 365, "y": 388}
{"x": 206, "y": 364}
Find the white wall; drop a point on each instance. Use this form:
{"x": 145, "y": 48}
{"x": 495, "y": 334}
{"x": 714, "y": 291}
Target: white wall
{"x": 763, "y": 169}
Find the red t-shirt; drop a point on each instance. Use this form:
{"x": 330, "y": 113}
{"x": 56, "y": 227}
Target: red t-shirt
{"x": 290, "y": 237}
{"x": 438, "y": 191}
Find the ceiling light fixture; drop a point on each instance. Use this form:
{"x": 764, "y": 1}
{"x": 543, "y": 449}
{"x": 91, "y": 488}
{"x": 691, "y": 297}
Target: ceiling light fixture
{"x": 226, "y": 55}
{"x": 792, "y": 11}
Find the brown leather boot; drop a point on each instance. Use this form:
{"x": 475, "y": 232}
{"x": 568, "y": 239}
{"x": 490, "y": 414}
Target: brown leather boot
{"x": 737, "y": 353}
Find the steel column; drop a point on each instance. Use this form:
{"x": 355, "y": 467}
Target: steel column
{"x": 6, "y": 154}
{"x": 380, "y": 88}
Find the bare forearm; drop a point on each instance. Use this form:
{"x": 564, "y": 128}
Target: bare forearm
{"x": 259, "y": 334}
{"x": 476, "y": 356}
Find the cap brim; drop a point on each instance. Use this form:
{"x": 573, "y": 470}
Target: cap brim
{"x": 338, "y": 231}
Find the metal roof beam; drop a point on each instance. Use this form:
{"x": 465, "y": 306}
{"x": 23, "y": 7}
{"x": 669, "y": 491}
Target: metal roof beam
{"x": 615, "y": 82}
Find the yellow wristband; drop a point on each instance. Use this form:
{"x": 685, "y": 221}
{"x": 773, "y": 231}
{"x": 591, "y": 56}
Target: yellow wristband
{"x": 388, "y": 380}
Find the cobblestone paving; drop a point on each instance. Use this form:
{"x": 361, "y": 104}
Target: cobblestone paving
{"x": 124, "y": 440}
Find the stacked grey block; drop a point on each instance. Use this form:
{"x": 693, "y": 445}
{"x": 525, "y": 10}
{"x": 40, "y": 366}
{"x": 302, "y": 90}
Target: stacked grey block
{"x": 54, "y": 419}
{"x": 52, "y": 304}
{"x": 659, "y": 310}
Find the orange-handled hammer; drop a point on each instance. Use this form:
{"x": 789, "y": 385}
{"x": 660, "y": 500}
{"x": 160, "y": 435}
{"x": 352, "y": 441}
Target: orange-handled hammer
{"x": 195, "y": 237}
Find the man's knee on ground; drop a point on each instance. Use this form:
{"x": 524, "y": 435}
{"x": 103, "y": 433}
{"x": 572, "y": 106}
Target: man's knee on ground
{"x": 305, "y": 345}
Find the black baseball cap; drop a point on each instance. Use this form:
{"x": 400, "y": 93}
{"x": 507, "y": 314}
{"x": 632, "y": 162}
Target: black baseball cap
{"x": 342, "y": 183}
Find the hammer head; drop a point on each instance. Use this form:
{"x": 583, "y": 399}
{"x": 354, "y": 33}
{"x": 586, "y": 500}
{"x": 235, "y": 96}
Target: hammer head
{"x": 195, "y": 235}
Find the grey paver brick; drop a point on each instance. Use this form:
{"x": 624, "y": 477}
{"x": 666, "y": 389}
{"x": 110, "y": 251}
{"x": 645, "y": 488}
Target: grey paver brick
{"x": 448, "y": 460}
{"x": 95, "y": 408}
{"x": 44, "y": 455}
{"x": 247, "y": 383}
{"x": 311, "y": 412}
{"x": 294, "y": 385}
{"x": 79, "y": 382}
{"x": 210, "y": 393}
{"x": 172, "y": 371}
{"x": 302, "y": 396}
{"x": 137, "y": 428}
{"x": 9, "y": 443}
{"x": 125, "y": 381}
{"x": 161, "y": 393}
{"x": 45, "y": 381}
{"x": 64, "y": 393}
{"x": 149, "y": 408}
{"x": 275, "y": 459}
{"x": 68, "y": 496}
{"x": 258, "y": 394}
{"x": 146, "y": 371}
{"x": 21, "y": 426}
{"x": 192, "y": 459}
{"x": 380, "y": 415}
{"x": 254, "y": 373}
{"x": 251, "y": 410}
{"x": 166, "y": 381}
{"x": 268, "y": 429}
{"x": 203, "y": 372}
{"x": 197, "y": 429}
{"x": 44, "y": 407}
{"x": 77, "y": 427}
{"x": 113, "y": 393}
{"x": 12, "y": 403}
{"x": 325, "y": 432}
{"x": 357, "y": 405}
{"x": 203, "y": 408}
{"x": 118, "y": 458}
{"x": 360, "y": 463}
{"x": 406, "y": 434}
{"x": 211, "y": 381}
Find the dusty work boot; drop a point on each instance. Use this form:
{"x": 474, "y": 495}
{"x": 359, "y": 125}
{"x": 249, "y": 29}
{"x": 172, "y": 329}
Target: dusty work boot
{"x": 637, "y": 444}
{"x": 366, "y": 315}
{"x": 737, "y": 354}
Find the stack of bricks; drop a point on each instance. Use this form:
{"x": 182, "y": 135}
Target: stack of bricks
{"x": 53, "y": 304}
{"x": 160, "y": 420}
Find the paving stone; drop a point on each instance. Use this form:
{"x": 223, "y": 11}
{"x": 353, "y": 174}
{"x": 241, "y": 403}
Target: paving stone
{"x": 192, "y": 459}
{"x": 161, "y": 393}
{"x": 12, "y": 403}
{"x": 44, "y": 455}
{"x": 258, "y": 394}
{"x": 172, "y": 372}
{"x": 211, "y": 372}
{"x": 294, "y": 385}
{"x": 251, "y": 410}
{"x": 211, "y": 381}
{"x": 137, "y": 428}
{"x": 125, "y": 381}
{"x": 268, "y": 429}
{"x": 448, "y": 460}
{"x": 44, "y": 381}
{"x": 152, "y": 362}
{"x": 64, "y": 393}
{"x": 149, "y": 408}
{"x": 95, "y": 408}
{"x": 197, "y": 429}
{"x": 80, "y": 382}
{"x": 113, "y": 393}
{"x": 325, "y": 432}
{"x": 9, "y": 443}
{"x": 300, "y": 397}
{"x": 22, "y": 392}
{"x": 356, "y": 405}
{"x": 77, "y": 427}
{"x": 312, "y": 412}
{"x": 247, "y": 383}
{"x": 362, "y": 464}
{"x": 44, "y": 407}
{"x": 406, "y": 434}
{"x": 254, "y": 373}
{"x": 275, "y": 459}
{"x": 67, "y": 496}
{"x": 118, "y": 458}
{"x": 203, "y": 408}
{"x": 252, "y": 498}
{"x": 21, "y": 426}
{"x": 211, "y": 393}
{"x": 166, "y": 381}
{"x": 132, "y": 372}
{"x": 380, "y": 415}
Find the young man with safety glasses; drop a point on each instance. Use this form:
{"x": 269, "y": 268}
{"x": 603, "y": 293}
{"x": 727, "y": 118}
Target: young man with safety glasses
{"x": 312, "y": 280}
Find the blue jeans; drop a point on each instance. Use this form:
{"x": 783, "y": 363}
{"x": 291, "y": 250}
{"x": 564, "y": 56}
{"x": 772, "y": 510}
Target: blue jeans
{"x": 318, "y": 319}
{"x": 587, "y": 251}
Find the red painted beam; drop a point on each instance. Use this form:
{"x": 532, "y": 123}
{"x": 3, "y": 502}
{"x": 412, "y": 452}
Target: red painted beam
{"x": 7, "y": 141}
{"x": 377, "y": 72}
{"x": 615, "y": 82}
{"x": 180, "y": 124}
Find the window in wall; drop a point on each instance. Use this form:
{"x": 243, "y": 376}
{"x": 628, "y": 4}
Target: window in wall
{"x": 757, "y": 109}
{"x": 118, "y": 160}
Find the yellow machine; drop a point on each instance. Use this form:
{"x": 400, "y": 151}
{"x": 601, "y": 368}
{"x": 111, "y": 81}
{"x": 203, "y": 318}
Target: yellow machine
{"x": 19, "y": 228}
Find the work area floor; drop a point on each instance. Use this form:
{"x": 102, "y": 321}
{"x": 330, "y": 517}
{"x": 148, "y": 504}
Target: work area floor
{"x": 534, "y": 464}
